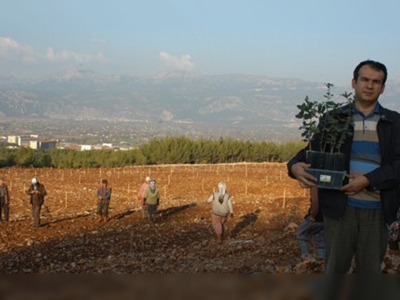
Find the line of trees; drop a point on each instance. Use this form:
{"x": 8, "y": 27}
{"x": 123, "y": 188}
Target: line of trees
{"x": 171, "y": 150}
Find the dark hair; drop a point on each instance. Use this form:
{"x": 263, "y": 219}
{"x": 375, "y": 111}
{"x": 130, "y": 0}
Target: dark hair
{"x": 104, "y": 181}
{"x": 373, "y": 64}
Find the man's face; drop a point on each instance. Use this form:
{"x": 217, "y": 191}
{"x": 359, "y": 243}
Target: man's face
{"x": 369, "y": 85}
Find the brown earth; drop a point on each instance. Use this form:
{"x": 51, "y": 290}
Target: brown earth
{"x": 268, "y": 206}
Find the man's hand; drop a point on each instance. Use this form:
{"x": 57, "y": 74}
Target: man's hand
{"x": 356, "y": 184}
{"x": 299, "y": 171}
{"x": 231, "y": 215}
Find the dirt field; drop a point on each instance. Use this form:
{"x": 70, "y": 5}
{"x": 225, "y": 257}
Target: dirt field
{"x": 267, "y": 208}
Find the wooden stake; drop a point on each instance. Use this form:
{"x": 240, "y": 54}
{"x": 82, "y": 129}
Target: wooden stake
{"x": 284, "y": 199}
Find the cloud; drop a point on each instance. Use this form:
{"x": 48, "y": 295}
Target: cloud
{"x": 67, "y": 55}
{"x": 11, "y": 49}
{"x": 182, "y": 63}
{"x": 98, "y": 41}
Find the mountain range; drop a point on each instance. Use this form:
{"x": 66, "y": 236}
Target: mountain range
{"x": 236, "y": 103}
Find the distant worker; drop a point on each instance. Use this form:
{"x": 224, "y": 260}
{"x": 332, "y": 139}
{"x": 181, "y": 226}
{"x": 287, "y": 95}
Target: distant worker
{"x": 312, "y": 227}
{"x": 103, "y": 196}
{"x": 151, "y": 200}
{"x": 37, "y": 192}
{"x": 221, "y": 208}
{"x": 394, "y": 236}
{"x": 4, "y": 201}
{"x": 140, "y": 195}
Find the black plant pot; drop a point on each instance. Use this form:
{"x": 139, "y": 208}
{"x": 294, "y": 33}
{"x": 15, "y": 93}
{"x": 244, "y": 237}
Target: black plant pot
{"x": 326, "y": 161}
{"x": 328, "y": 168}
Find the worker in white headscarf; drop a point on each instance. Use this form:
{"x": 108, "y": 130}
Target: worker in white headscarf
{"x": 36, "y": 192}
{"x": 221, "y": 209}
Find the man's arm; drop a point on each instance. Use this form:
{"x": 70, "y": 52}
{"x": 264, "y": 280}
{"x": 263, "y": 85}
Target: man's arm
{"x": 211, "y": 198}
{"x": 108, "y": 194}
{"x": 230, "y": 206}
{"x": 387, "y": 176}
{"x": 6, "y": 195}
{"x": 356, "y": 184}
{"x": 43, "y": 192}
{"x": 29, "y": 191}
{"x": 299, "y": 172}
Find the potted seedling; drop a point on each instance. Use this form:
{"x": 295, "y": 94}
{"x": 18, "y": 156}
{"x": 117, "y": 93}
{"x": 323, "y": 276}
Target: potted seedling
{"x": 331, "y": 124}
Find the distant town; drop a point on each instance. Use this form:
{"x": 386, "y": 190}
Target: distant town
{"x": 34, "y": 142}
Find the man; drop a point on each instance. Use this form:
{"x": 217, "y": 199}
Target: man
{"x": 4, "y": 201}
{"x": 140, "y": 195}
{"x": 37, "y": 192}
{"x": 357, "y": 215}
{"x": 104, "y": 196}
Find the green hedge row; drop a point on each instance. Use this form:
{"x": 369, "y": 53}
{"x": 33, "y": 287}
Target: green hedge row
{"x": 172, "y": 150}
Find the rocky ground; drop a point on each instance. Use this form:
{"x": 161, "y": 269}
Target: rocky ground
{"x": 268, "y": 206}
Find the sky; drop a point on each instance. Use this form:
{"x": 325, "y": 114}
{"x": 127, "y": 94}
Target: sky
{"x": 315, "y": 40}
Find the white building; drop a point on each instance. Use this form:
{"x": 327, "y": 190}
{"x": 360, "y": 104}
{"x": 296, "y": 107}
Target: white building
{"x": 86, "y": 147}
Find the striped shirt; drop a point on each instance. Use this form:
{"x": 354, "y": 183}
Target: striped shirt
{"x": 365, "y": 156}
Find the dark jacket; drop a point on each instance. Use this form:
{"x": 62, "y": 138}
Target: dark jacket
{"x": 4, "y": 193}
{"x": 37, "y": 198}
{"x": 386, "y": 178}
{"x": 104, "y": 193}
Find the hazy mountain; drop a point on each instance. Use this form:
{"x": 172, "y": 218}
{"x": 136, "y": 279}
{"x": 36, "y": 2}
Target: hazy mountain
{"x": 174, "y": 97}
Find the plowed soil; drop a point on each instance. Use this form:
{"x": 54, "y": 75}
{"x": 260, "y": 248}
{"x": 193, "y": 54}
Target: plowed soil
{"x": 267, "y": 204}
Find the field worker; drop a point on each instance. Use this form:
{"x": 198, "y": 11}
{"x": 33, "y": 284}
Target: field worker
{"x": 103, "y": 196}
{"x": 37, "y": 192}
{"x": 151, "y": 200}
{"x": 394, "y": 236}
{"x": 140, "y": 195}
{"x": 221, "y": 208}
{"x": 4, "y": 201}
{"x": 312, "y": 227}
